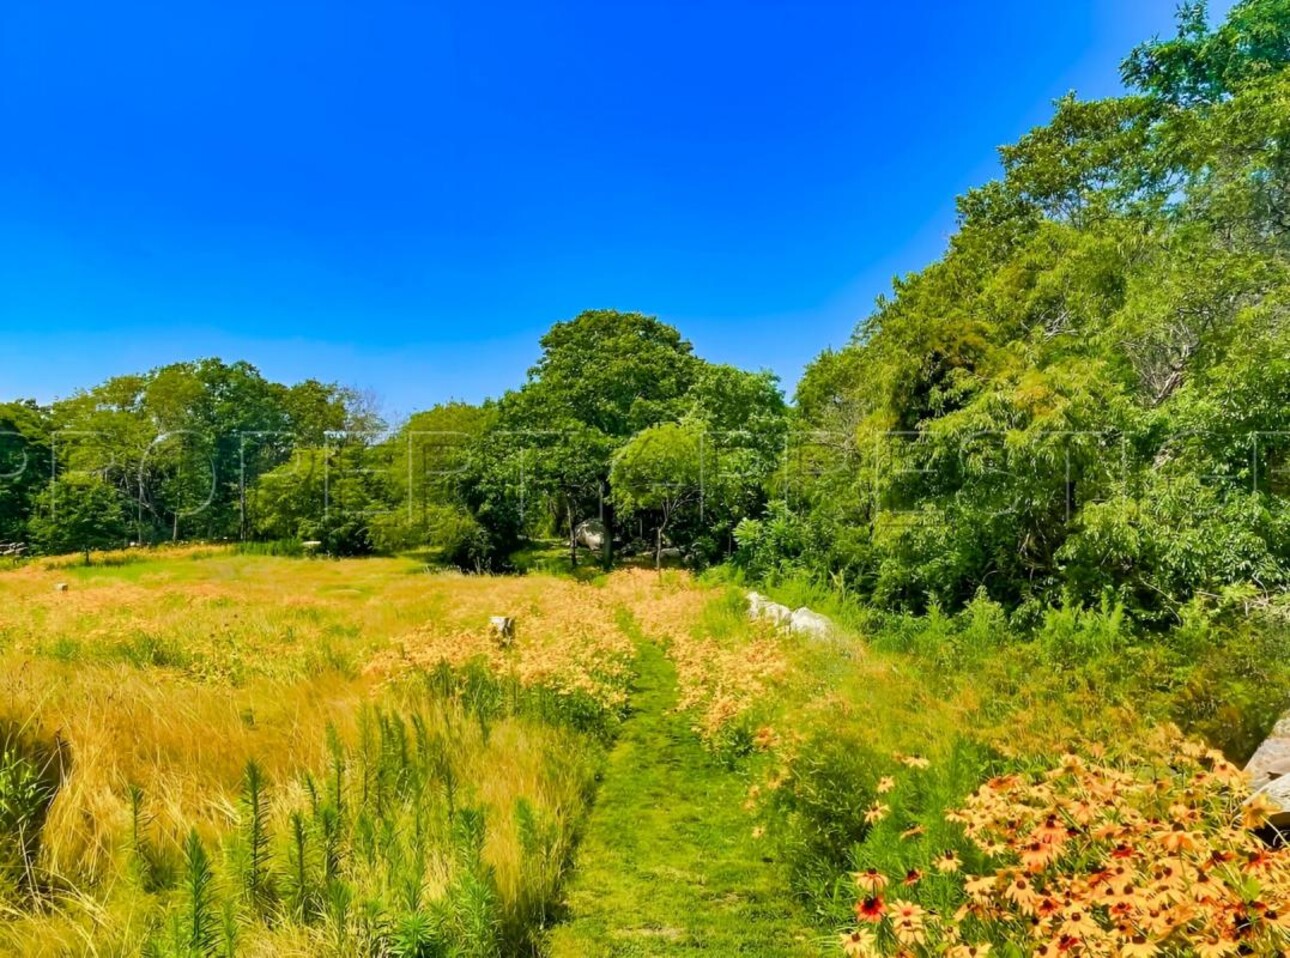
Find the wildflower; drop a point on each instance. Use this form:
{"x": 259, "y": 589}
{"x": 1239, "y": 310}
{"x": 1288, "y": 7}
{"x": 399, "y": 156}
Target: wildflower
{"x": 1019, "y": 892}
{"x": 912, "y": 832}
{"x": 1037, "y": 855}
{"x": 1138, "y": 946}
{"x": 914, "y": 761}
{"x": 1178, "y": 839}
{"x": 871, "y": 909}
{"x": 1257, "y": 810}
{"x": 858, "y": 943}
{"x": 876, "y": 813}
{"x": 1258, "y": 862}
{"x": 1214, "y": 947}
{"x": 913, "y": 877}
{"x": 969, "y": 951}
{"x": 948, "y": 862}
{"x": 907, "y": 923}
{"x": 885, "y": 784}
{"x": 1051, "y": 832}
{"x": 871, "y": 880}
{"x": 1277, "y": 919}
{"x": 1080, "y": 924}
{"x": 1003, "y": 783}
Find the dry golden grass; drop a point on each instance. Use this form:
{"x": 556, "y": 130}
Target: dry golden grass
{"x": 169, "y": 672}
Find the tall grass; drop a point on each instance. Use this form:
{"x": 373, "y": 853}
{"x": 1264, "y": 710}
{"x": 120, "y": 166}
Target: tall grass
{"x": 243, "y": 783}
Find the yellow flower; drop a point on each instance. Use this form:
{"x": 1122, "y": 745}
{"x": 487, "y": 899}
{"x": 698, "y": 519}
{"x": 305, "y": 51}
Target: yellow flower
{"x": 948, "y": 862}
{"x": 859, "y": 943}
{"x": 885, "y": 784}
{"x": 907, "y": 922}
{"x": 876, "y": 813}
{"x": 870, "y": 881}
{"x": 969, "y": 951}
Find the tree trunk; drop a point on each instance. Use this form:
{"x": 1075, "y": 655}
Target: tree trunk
{"x": 658, "y": 551}
{"x": 573, "y": 541}
{"x": 607, "y": 552}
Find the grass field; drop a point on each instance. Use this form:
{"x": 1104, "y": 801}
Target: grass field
{"x": 209, "y": 753}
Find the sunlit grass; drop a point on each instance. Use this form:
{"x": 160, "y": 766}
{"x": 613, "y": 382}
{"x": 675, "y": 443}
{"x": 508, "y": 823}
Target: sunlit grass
{"x": 165, "y": 677}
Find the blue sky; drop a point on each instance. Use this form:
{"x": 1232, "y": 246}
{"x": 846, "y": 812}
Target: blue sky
{"x": 402, "y": 196}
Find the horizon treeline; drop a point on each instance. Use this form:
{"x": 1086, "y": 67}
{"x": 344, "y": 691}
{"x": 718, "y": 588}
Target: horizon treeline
{"x": 1083, "y": 399}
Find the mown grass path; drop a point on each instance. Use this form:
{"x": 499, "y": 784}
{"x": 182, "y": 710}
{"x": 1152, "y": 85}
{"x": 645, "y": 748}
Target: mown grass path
{"x": 668, "y": 864}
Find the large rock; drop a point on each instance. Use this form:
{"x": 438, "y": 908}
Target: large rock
{"x": 805, "y": 622}
{"x": 590, "y": 534}
{"x": 780, "y": 616}
{"x": 1269, "y": 769}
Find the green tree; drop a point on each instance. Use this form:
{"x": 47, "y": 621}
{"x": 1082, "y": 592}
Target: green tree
{"x": 661, "y": 470}
{"x": 79, "y": 512}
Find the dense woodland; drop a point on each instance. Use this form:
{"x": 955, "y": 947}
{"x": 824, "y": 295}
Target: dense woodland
{"x": 1082, "y": 401}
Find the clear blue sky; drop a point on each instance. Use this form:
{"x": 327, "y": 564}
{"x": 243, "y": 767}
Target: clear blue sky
{"x": 402, "y": 196}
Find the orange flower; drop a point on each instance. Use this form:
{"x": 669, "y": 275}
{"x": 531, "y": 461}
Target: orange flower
{"x": 871, "y": 909}
{"x": 1177, "y": 840}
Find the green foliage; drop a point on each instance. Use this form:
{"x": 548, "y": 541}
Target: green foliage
{"x": 661, "y": 469}
{"x": 25, "y": 794}
{"x": 257, "y": 879}
{"x": 78, "y": 512}
{"x": 198, "y": 928}
{"x": 1087, "y": 393}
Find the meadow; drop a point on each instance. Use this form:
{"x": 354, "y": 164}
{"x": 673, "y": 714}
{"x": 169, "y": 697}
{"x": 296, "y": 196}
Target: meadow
{"x": 212, "y": 753}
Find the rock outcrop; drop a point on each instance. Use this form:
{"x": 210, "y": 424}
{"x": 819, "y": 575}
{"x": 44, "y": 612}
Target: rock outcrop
{"x": 1269, "y": 769}
{"x": 800, "y": 621}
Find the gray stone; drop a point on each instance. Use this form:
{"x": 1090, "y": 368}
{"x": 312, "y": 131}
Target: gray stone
{"x": 590, "y": 534}
{"x": 1269, "y": 769}
{"x": 805, "y": 622}
{"x": 1271, "y": 760}
{"x": 1278, "y": 791}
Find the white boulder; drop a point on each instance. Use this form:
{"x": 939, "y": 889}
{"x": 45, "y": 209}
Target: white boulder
{"x": 805, "y": 622}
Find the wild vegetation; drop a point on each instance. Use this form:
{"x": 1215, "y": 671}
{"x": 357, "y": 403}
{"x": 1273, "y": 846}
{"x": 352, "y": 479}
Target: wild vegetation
{"x": 1041, "y": 494}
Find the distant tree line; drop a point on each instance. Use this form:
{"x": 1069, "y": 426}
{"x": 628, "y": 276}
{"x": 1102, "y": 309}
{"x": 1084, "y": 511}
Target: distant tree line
{"x": 1084, "y": 397}
{"x": 615, "y": 422}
